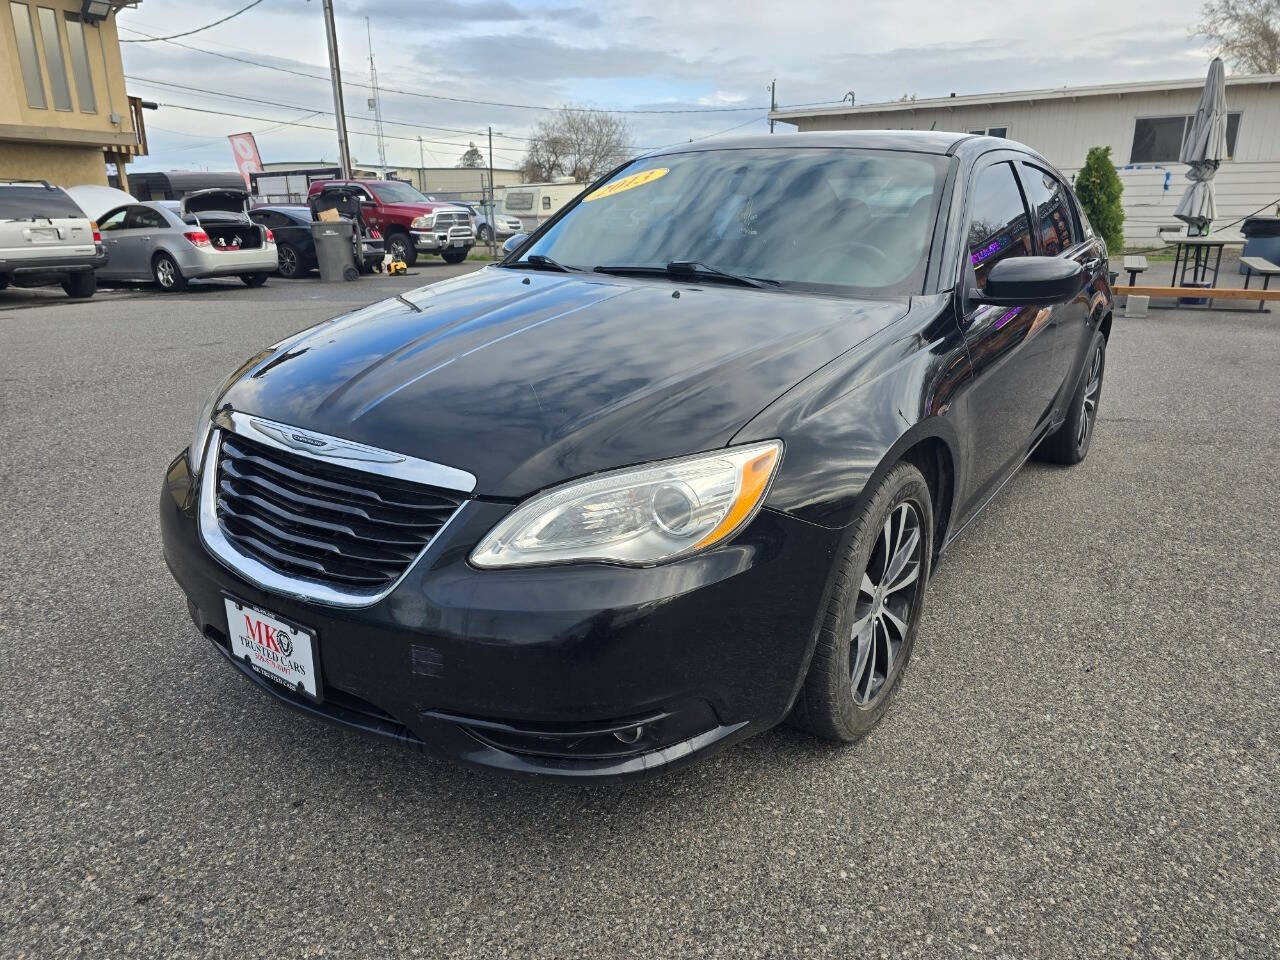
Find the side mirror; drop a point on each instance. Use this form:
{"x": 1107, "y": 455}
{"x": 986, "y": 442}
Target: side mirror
{"x": 1031, "y": 282}
{"x": 511, "y": 244}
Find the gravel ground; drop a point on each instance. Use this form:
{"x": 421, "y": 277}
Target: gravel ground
{"x": 1083, "y": 761}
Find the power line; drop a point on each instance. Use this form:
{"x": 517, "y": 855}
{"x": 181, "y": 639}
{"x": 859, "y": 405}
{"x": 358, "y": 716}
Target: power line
{"x": 223, "y": 94}
{"x": 485, "y": 103}
{"x": 293, "y": 106}
{"x": 174, "y": 36}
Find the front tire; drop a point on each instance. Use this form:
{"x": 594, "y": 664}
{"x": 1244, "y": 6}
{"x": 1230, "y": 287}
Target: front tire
{"x": 869, "y": 627}
{"x": 1069, "y": 444}
{"x": 400, "y": 246}
{"x": 483, "y": 233}
{"x": 167, "y": 274}
{"x": 79, "y": 286}
{"x": 253, "y": 279}
{"x": 455, "y": 254}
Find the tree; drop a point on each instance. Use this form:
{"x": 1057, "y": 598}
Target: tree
{"x": 472, "y": 158}
{"x": 576, "y": 142}
{"x": 1244, "y": 32}
{"x": 1099, "y": 189}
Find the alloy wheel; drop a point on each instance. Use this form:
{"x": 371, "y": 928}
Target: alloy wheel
{"x": 165, "y": 272}
{"x": 398, "y": 249}
{"x": 288, "y": 262}
{"x": 1089, "y": 398}
{"x": 882, "y": 610}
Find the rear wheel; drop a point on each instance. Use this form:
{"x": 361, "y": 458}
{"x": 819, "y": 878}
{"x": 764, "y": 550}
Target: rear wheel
{"x": 253, "y": 279}
{"x": 81, "y": 285}
{"x": 455, "y": 254}
{"x": 1069, "y": 444}
{"x": 483, "y": 233}
{"x": 165, "y": 269}
{"x": 400, "y": 246}
{"x": 869, "y": 628}
{"x": 290, "y": 261}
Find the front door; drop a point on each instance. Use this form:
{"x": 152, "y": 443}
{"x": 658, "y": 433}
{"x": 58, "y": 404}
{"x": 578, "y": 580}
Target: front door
{"x": 1058, "y": 235}
{"x": 111, "y": 227}
{"x": 1012, "y": 349}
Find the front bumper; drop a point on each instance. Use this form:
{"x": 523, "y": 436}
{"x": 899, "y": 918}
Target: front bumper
{"x": 443, "y": 239}
{"x": 580, "y": 671}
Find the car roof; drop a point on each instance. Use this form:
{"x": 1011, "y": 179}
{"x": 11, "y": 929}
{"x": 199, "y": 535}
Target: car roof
{"x": 291, "y": 209}
{"x": 940, "y": 142}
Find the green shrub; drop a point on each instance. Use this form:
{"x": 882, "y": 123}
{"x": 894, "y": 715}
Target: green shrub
{"x": 1099, "y": 189}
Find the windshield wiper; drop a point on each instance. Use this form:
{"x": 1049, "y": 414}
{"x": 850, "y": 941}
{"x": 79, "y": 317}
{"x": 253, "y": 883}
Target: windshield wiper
{"x": 691, "y": 268}
{"x": 539, "y": 262}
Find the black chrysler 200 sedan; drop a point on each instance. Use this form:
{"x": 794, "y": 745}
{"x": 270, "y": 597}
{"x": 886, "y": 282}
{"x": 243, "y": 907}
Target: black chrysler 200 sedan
{"x": 676, "y": 469}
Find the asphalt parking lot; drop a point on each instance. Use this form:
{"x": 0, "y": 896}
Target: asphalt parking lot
{"x": 1083, "y": 760}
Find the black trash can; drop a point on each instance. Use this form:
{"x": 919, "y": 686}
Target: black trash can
{"x": 1261, "y": 239}
{"x": 335, "y": 253}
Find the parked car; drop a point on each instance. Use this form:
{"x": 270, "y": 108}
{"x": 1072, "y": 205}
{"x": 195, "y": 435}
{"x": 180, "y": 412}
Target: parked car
{"x": 291, "y": 226}
{"x": 410, "y": 223}
{"x": 206, "y": 234}
{"x": 503, "y": 226}
{"x": 45, "y": 238}
{"x": 631, "y": 495}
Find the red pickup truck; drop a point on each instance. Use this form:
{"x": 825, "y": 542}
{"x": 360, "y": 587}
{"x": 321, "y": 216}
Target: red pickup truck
{"x": 409, "y": 222}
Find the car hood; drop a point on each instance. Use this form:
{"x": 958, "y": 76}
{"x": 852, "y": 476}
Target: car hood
{"x": 528, "y": 379}
{"x": 418, "y": 209}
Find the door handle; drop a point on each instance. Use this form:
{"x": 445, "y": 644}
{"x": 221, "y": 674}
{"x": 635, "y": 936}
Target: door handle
{"x": 1092, "y": 265}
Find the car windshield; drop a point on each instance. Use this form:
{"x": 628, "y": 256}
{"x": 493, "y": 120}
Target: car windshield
{"x": 844, "y": 221}
{"x": 391, "y": 191}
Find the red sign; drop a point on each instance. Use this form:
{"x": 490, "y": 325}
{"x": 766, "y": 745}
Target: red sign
{"x": 246, "y": 152}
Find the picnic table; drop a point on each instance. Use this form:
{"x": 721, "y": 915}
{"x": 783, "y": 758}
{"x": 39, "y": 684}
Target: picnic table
{"x": 1193, "y": 254}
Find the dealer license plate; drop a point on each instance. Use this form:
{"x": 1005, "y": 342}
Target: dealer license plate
{"x": 43, "y": 234}
{"x": 281, "y": 651}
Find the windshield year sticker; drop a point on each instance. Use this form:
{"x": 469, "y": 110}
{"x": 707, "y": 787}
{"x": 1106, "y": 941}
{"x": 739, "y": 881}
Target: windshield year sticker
{"x": 626, "y": 183}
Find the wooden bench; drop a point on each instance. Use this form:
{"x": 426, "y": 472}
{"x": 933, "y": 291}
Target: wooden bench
{"x": 1263, "y": 268}
{"x": 1135, "y": 266}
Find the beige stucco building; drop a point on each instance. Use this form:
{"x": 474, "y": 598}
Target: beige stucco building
{"x": 64, "y": 112}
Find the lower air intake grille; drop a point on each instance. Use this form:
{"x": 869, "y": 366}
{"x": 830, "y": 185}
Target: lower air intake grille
{"x": 305, "y": 518}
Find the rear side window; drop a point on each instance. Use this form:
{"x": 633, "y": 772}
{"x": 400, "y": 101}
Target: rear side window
{"x": 33, "y": 200}
{"x": 998, "y": 226}
{"x": 1048, "y": 198}
{"x": 144, "y": 218}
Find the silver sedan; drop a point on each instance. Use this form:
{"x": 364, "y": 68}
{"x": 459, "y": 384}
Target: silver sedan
{"x": 152, "y": 241}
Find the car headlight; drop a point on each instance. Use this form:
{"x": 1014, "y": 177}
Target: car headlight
{"x": 204, "y": 423}
{"x": 637, "y": 516}
{"x": 204, "y": 426}
{"x": 421, "y": 223}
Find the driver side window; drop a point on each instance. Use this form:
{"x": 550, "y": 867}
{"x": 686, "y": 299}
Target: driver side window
{"x": 998, "y": 222}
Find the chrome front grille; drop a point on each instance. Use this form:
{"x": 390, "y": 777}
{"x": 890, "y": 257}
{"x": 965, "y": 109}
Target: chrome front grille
{"x": 316, "y": 522}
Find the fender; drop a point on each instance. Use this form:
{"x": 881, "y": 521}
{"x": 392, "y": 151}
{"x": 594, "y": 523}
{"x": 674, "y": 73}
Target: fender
{"x": 846, "y": 424}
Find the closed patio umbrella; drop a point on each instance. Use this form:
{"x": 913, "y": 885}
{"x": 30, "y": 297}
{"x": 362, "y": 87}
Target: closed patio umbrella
{"x": 1203, "y": 151}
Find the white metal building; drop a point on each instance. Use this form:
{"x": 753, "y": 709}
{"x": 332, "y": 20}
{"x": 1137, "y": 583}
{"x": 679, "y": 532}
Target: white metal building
{"x": 1143, "y": 124}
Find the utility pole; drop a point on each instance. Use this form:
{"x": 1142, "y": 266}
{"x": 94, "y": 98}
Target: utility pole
{"x": 773, "y": 101}
{"x": 493, "y": 196}
{"x": 377, "y": 103}
{"x": 335, "y": 75}
{"x": 422, "y": 170}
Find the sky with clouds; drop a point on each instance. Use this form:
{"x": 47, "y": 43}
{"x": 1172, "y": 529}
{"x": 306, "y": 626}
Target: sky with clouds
{"x": 641, "y": 55}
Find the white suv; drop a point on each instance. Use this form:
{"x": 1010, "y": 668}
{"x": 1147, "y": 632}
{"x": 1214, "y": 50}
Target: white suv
{"x": 45, "y": 238}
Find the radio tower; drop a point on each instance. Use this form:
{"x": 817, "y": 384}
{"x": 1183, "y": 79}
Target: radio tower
{"x": 375, "y": 104}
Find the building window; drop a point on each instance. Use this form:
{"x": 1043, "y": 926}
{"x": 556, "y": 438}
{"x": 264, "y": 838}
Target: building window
{"x": 80, "y": 64}
{"x": 53, "y": 60}
{"x": 1159, "y": 139}
{"x": 991, "y": 132}
{"x": 25, "y": 33}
